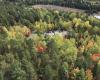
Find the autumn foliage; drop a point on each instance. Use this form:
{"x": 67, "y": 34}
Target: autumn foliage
{"x": 95, "y": 57}
{"x": 36, "y": 49}
{"x": 40, "y": 48}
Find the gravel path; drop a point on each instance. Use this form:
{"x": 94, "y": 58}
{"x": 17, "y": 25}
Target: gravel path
{"x": 53, "y": 7}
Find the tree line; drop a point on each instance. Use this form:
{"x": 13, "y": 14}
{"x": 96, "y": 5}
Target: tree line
{"x": 80, "y": 4}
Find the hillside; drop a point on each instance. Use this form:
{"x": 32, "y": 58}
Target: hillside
{"x": 48, "y": 42}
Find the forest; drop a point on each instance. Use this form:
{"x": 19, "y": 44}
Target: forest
{"x": 44, "y": 44}
{"x": 91, "y": 5}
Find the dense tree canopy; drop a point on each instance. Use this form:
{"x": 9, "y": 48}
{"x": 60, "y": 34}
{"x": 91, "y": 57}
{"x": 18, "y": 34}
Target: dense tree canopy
{"x": 41, "y": 44}
{"x": 27, "y": 53}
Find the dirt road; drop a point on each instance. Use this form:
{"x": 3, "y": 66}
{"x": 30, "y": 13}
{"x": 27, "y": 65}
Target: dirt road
{"x": 54, "y": 7}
